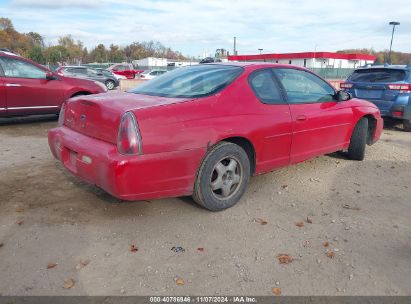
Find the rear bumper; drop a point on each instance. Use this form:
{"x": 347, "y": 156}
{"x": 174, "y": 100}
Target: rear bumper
{"x": 398, "y": 109}
{"x": 126, "y": 177}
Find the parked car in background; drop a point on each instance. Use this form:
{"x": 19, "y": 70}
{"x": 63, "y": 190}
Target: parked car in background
{"x": 204, "y": 130}
{"x": 103, "y": 76}
{"x": 151, "y": 74}
{"x": 118, "y": 77}
{"x": 125, "y": 69}
{"x": 388, "y": 87}
{"x": 28, "y": 88}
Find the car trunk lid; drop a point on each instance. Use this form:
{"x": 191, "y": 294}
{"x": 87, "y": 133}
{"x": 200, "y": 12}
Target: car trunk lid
{"x": 99, "y": 116}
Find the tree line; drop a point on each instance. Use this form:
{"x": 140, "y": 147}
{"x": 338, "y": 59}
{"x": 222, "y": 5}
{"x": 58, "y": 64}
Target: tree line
{"x": 382, "y": 56}
{"x": 70, "y": 51}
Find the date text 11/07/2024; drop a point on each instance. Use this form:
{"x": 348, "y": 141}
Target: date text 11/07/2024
{"x": 203, "y": 299}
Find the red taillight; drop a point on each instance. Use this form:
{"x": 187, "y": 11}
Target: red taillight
{"x": 397, "y": 113}
{"x": 61, "y": 115}
{"x": 129, "y": 139}
{"x": 403, "y": 88}
{"x": 345, "y": 85}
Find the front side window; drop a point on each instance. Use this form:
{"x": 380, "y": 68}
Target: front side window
{"x": 264, "y": 86}
{"x": 195, "y": 81}
{"x": 21, "y": 69}
{"x": 304, "y": 87}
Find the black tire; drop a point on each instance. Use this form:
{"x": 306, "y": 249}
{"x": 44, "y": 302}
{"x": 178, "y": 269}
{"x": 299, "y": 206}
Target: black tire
{"x": 223, "y": 156}
{"x": 110, "y": 84}
{"x": 358, "y": 141}
{"x": 406, "y": 125}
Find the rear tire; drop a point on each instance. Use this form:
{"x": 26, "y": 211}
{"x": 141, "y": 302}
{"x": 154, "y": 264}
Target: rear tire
{"x": 406, "y": 125}
{"x": 223, "y": 177}
{"x": 358, "y": 141}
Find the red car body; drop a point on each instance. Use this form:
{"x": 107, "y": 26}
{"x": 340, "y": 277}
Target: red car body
{"x": 176, "y": 134}
{"x": 125, "y": 69}
{"x": 23, "y": 94}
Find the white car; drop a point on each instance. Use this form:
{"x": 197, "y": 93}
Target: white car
{"x": 151, "y": 74}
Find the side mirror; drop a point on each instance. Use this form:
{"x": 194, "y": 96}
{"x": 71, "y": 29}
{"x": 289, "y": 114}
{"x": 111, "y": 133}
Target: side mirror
{"x": 50, "y": 75}
{"x": 342, "y": 95}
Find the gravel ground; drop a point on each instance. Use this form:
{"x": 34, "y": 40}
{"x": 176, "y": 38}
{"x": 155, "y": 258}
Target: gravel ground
{"x": 345, "y": 224}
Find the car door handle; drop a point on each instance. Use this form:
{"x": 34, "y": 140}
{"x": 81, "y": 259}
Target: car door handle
{"x": 13, "y": 85}
{"x": 301, "y": 118}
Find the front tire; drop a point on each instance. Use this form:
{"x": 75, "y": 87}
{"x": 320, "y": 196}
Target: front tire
{"x": 406, "y": 125}
{"x": 110, "y": 84}
{"x": 223, "y": 177}
{"x": 358, "y": 141}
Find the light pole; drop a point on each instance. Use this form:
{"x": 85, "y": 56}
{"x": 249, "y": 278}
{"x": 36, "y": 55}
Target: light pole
{"x": 260, "y": 50}
{"x": 393, "y": 23}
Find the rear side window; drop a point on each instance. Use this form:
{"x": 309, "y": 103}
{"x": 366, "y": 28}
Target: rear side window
{"x": 264, "y": 86}
{"x": 378, "y": 75}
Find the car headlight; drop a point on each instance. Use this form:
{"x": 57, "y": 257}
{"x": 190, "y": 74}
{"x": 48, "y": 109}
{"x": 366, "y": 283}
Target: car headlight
{"x": 101, "y": 85}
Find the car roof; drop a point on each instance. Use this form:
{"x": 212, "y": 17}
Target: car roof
{"x": 257, "y": 64}
{"x": 74, "y": 66}
{"x": 8, "y": 53}
{"x": 386, "y": 66}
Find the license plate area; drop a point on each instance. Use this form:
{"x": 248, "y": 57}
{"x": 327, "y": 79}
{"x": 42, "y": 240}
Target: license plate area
{"x": 368, "y": 93}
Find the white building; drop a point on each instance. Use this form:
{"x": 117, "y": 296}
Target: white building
{"x": 311, "y": 59}
{"x": 150, "y": 62}
{"x": 161, "y": 62}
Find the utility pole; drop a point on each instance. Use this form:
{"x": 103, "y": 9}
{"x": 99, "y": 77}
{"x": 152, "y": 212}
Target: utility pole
{"x": 393, "y": 23}
{"x": 260, "y": 50}
{"x": 235, "y": 46}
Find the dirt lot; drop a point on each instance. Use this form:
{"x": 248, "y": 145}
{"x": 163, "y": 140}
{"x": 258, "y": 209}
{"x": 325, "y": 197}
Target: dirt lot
{"x": 361, "y": 210}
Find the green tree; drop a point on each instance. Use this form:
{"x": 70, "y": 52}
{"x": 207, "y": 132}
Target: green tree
{"x": 56, "y": 54}
{"x": 36, "y": 54}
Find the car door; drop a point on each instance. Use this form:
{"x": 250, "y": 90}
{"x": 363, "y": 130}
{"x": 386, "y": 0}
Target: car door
{"x": 3, "y": 101}
{"x": 95, "y": 75}
{"x": 3, "y": 104}
{"x": 275, "y": 119}
{"x": 320, "y": 123}
{"x": 27, "y": 89}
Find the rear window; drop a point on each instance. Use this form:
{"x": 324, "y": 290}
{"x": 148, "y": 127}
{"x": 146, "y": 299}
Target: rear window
{"x": 197, "y": 81}
{"x": 378, "y": 75}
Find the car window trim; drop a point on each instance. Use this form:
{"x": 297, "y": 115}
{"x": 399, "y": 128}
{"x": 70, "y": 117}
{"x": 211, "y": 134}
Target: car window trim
{"x": 305, "y": 102}
{"x": 1, "y": 71}
{"x": 276, "y": 83}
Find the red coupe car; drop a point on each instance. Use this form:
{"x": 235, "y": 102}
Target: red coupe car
{"x": 204, "y": 130}
{"x": 124, "y": 69}
{"x": 27, "y": 88}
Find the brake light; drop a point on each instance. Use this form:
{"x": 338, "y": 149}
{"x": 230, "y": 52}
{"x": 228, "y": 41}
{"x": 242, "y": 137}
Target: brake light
{"x": 61, "y": 115}
{"x": 403, "y": 88}
{"x": 129, "y": 138}
{"x": 346, "y": 85}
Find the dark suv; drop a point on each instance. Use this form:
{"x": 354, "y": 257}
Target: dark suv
{"x": 102, "y": 76}
{"x": 388, "y": 87}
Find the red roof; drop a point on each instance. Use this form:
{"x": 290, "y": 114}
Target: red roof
{"x": 303, "y": 55}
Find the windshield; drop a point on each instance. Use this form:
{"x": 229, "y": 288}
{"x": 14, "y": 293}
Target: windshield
{"x": 196, "y": 81}
{"x": 378, "y": 75}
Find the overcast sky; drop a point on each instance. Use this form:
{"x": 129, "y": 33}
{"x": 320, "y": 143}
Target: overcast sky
{"x": 193, "y": 27}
